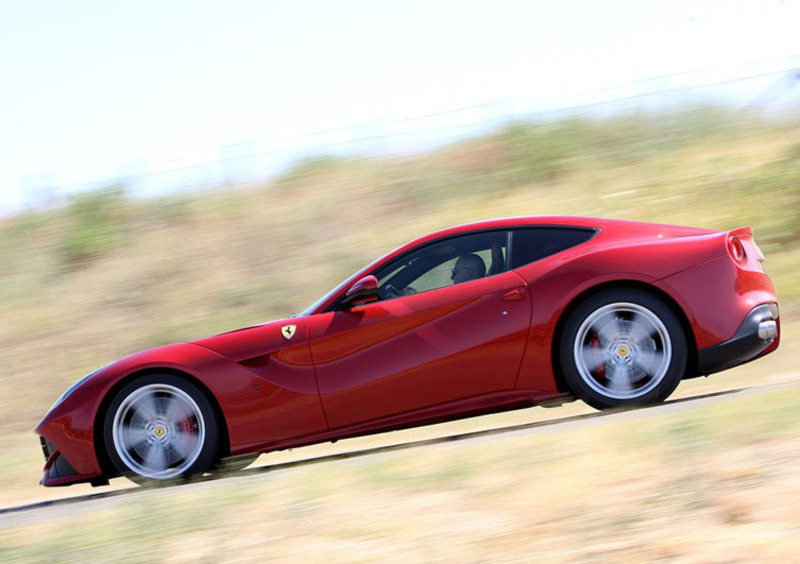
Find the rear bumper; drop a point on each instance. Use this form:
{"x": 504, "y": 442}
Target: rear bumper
{"x": 759, "y": 334}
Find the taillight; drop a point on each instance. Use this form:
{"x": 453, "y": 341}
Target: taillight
{"x": 736, "y": 249}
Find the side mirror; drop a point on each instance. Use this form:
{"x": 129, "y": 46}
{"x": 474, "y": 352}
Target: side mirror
{"x": 365, "y": 290}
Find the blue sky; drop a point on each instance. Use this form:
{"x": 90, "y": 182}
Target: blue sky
{"x": 90, "y": 86}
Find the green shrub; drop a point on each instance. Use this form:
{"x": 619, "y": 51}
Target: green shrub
{"x": 95, "y": 225}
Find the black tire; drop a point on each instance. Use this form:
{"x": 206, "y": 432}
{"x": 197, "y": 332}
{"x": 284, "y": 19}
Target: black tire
{"x": 623, "y": 347}
{"x": 161, "y": 428}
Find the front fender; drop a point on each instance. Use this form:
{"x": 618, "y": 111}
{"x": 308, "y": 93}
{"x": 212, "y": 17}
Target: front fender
{"x": 70, "y": 424}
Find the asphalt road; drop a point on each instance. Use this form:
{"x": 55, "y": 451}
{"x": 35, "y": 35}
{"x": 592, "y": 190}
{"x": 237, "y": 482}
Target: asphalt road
{"x": 45, "y": 510}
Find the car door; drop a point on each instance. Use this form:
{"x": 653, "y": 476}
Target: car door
{"x": 427, "y": 345}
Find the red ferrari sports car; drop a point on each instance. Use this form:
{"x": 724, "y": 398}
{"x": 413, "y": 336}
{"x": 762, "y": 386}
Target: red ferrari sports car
{"x": 470, "y": 320}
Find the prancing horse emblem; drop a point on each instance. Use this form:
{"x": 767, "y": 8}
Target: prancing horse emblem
{"x": 288, "y": 331}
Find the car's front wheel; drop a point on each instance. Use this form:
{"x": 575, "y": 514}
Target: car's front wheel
{"x": 623, "y": 347}
{"x": 160, "y": 427}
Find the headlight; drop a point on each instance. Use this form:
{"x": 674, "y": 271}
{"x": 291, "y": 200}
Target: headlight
{"x": 74, "y": 387}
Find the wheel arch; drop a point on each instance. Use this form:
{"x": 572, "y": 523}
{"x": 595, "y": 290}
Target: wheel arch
{"x": 99, "y": 445}
{"x": 668, "y": 300}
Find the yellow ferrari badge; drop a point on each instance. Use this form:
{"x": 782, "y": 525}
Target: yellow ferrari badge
{"x": 288, "y": 331}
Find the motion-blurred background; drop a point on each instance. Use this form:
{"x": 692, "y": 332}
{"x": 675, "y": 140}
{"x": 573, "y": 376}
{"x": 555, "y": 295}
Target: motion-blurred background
{"x": 172, "y": 171}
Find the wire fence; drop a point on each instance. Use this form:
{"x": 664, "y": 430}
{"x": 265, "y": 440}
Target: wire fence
{"x": 774, "y": 94}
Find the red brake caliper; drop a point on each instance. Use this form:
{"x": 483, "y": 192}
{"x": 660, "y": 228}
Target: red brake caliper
{"x": 600, "y": 369}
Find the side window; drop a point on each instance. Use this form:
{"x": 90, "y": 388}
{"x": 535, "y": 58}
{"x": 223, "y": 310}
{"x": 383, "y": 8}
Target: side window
{"x": 444, "y": 263}
{"x": 535, "y": 243}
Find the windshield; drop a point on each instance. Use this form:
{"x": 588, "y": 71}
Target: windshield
{"x": 310, "y": 309}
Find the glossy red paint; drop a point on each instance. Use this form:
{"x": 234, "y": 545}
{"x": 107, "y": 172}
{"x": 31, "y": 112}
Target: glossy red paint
{"x": 476, "y": 347}
{"x": 426, "y": 349}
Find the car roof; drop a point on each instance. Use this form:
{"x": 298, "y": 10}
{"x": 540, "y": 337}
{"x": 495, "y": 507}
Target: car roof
{"x": 613, "y": 227}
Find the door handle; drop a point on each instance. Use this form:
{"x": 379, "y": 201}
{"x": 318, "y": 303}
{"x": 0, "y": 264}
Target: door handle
{"x": 514, "y": 295}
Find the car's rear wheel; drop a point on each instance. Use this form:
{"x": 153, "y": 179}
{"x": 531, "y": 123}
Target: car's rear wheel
{"x": 623, "y": 347}
{"x": 160, "y": 427}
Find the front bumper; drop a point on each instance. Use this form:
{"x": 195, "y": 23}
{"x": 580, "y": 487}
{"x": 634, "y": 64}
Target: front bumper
{"x": 759, "y": 334}
{"x": 59, "y": 472}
